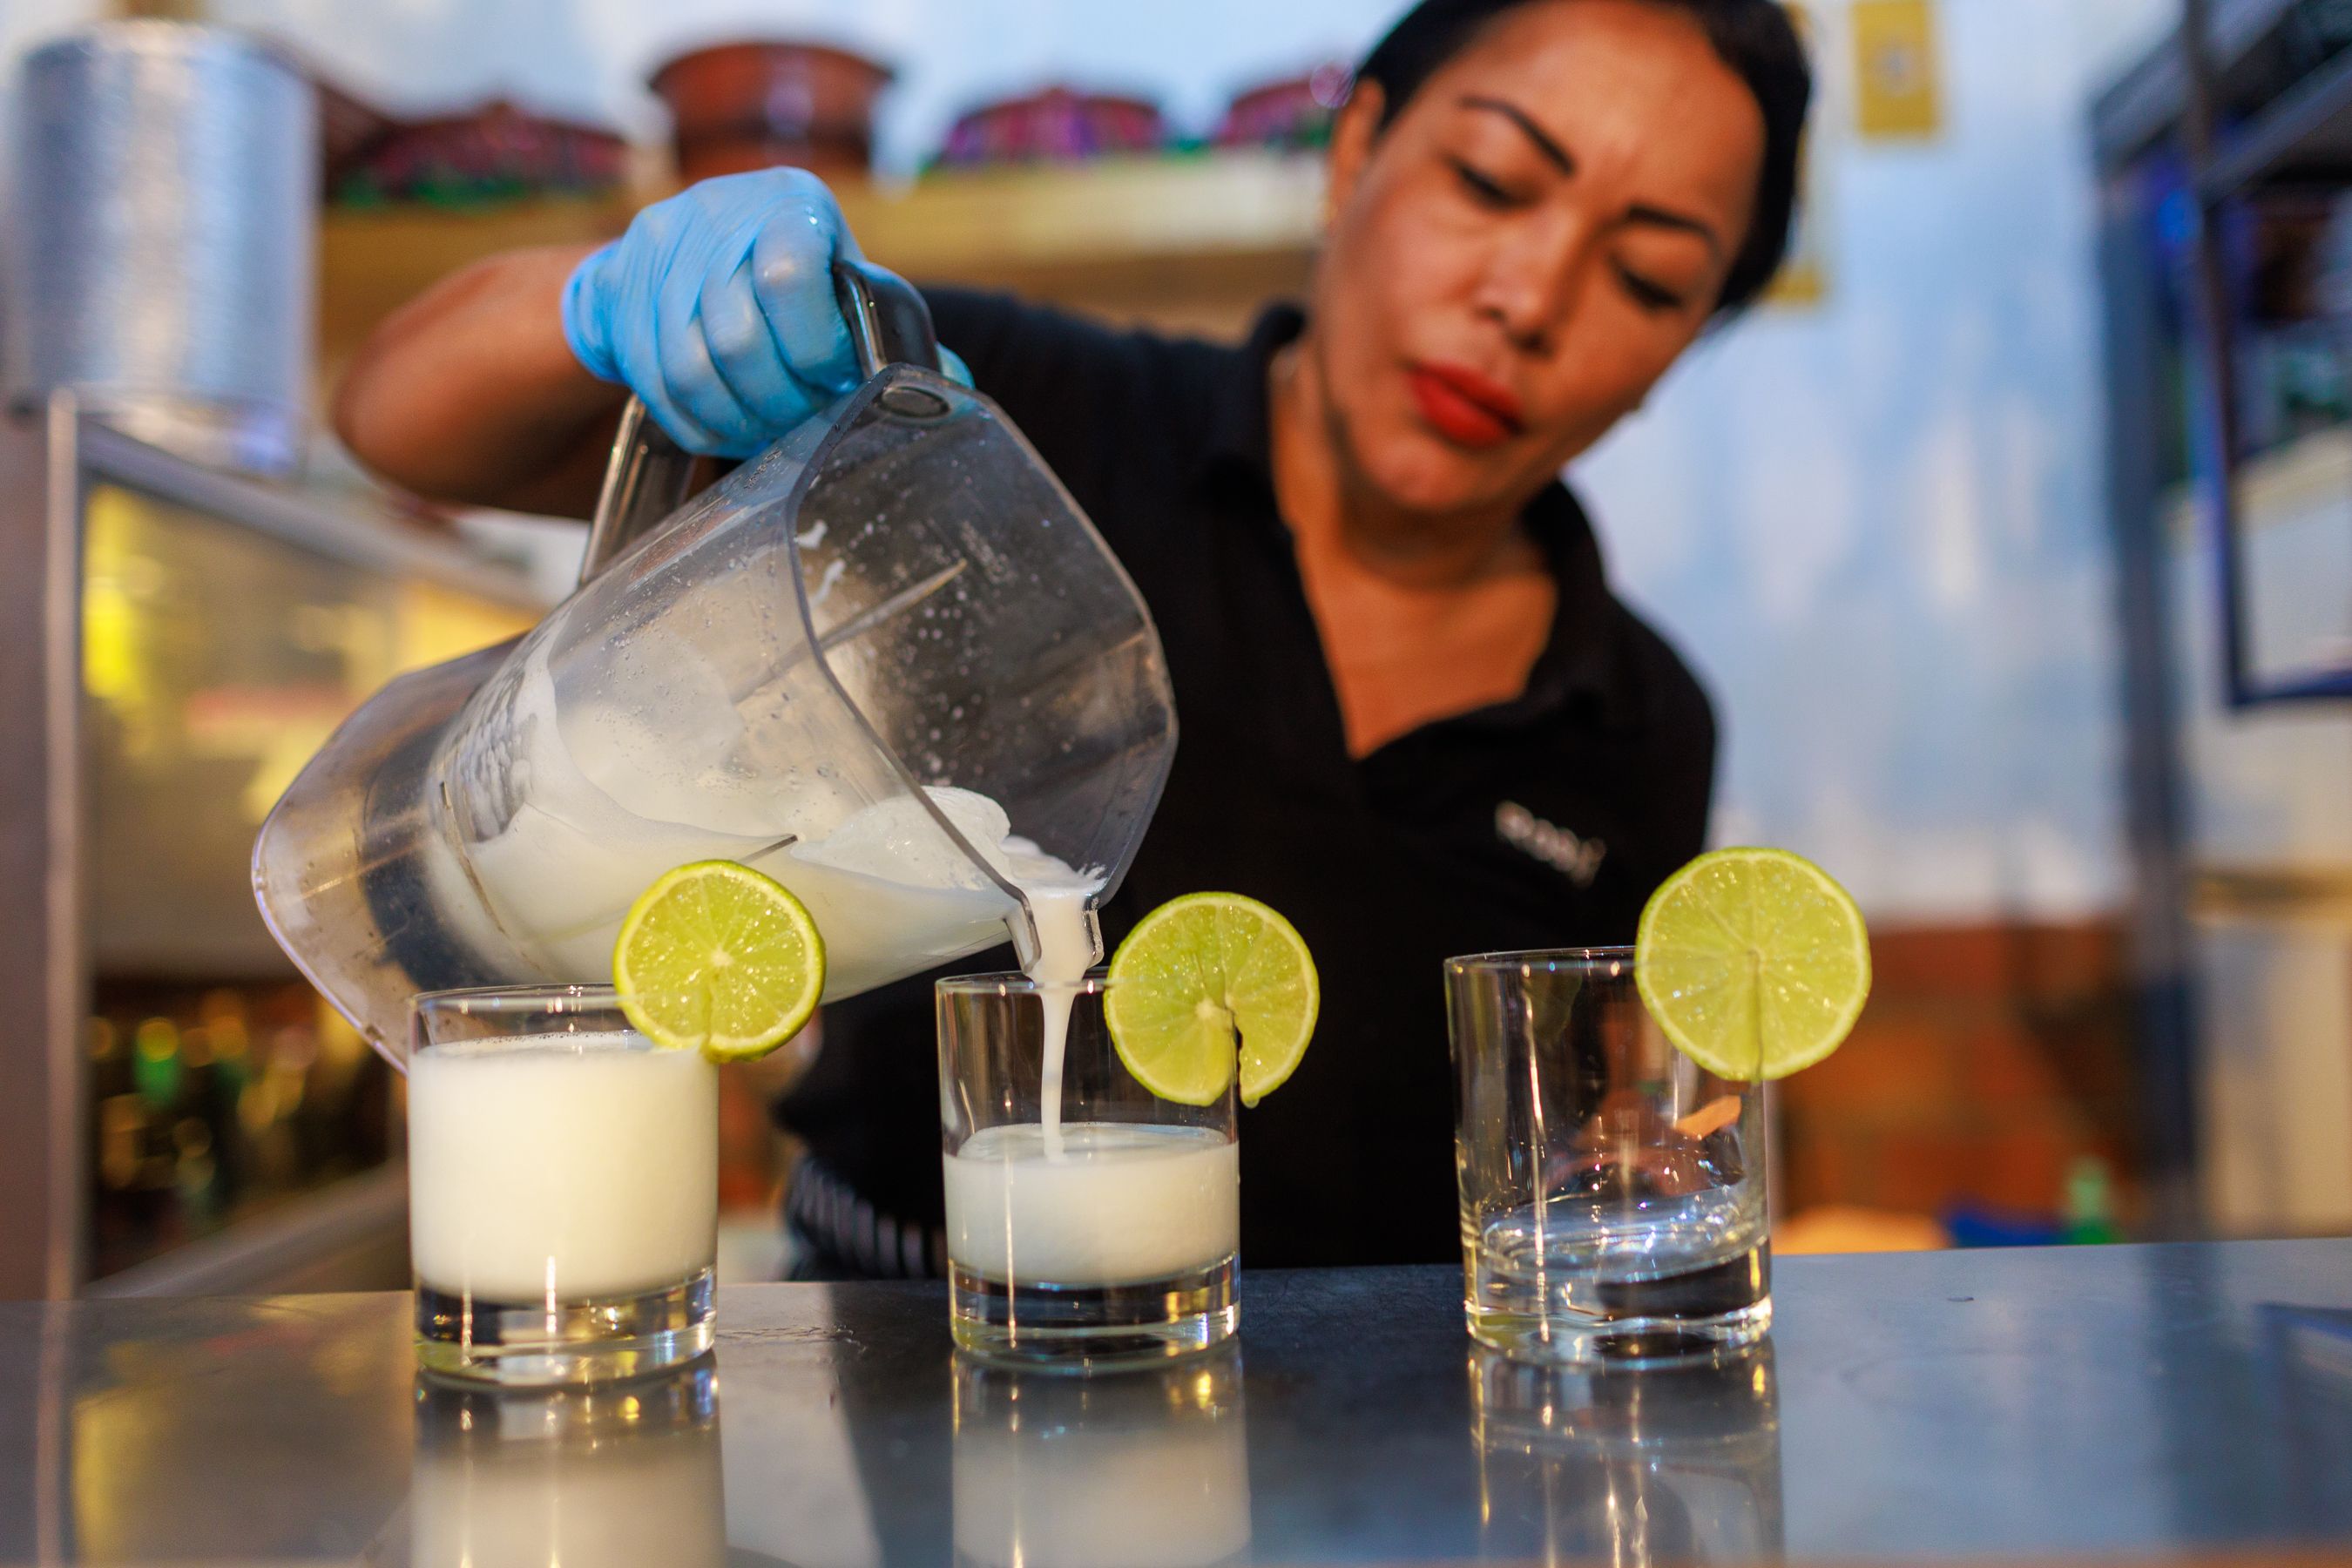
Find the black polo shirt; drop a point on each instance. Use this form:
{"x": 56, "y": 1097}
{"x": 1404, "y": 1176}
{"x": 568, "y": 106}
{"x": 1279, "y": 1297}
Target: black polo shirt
{"x": 1543, "y": 822}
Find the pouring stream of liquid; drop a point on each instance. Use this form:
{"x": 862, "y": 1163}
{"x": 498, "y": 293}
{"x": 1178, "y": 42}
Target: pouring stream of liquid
{"x": 1065, "y": 950}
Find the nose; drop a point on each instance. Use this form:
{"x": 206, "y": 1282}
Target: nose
{"x": 1533, "y": 276}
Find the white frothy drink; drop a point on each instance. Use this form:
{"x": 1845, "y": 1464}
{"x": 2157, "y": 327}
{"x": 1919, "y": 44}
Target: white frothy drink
{"x": 1090, "y": 1203}
{"x": 561, "y": 1168}
{"x": 1066, "y": 951}
{"x": 606, "y": 806}
{"x": 1118, "y": 1204}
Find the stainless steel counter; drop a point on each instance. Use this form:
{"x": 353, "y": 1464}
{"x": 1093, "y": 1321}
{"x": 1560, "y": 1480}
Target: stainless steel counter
{"x": 2119, "y": 1401}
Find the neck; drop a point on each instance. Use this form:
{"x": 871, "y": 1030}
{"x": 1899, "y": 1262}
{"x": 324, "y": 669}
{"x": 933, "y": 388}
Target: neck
{"x": 1329, "y": 507}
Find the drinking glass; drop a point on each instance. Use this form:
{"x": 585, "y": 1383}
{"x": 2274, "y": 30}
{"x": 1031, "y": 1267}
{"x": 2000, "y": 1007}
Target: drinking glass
{"x": 563, "y": 1189}
{"x": 1612, "y": 1190}
{"x": 1105, "y": 1237}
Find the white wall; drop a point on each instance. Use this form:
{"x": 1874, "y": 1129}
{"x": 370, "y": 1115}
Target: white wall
{"x": 1875, "y": 525}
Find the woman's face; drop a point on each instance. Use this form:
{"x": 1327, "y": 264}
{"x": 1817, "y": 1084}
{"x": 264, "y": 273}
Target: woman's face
{"x": 1517, "y": 259}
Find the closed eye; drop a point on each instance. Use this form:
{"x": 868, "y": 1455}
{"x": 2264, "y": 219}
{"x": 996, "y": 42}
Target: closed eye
{"x": 1650, "y": 296}
{"x": 1484, "y": 188}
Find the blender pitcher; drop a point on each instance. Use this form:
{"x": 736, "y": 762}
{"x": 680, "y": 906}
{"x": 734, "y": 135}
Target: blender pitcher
{"x": 888, "y": 661}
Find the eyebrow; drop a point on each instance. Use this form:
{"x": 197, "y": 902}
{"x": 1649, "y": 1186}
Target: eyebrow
{"x": 1660, "y": 217}
{"x": 1552, "y": 151}
{"x": 1561, "y": 159}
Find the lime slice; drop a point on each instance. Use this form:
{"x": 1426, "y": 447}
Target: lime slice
{"x": 1753, "y": 962}
{"x": 718, "y": 958}
{"x": 1193, "y": 972}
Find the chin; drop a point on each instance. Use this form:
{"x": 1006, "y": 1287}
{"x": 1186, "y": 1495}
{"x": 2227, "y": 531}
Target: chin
{"x": 1418, "y": 471}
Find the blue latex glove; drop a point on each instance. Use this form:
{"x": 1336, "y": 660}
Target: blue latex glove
{"x": 716, "y": 308}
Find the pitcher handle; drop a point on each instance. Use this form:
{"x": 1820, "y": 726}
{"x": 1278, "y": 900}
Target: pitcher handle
{"x": 646, "y": 479}
{"x": 889, "y": 321}
{"x": 649, "y": 476}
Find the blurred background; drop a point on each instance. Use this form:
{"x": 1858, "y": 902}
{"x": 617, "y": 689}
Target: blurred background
{"x": 2013, "y": 537}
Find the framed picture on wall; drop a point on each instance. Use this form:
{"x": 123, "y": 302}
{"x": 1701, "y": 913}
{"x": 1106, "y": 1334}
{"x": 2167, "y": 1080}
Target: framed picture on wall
{"x": 2281, "y": 508}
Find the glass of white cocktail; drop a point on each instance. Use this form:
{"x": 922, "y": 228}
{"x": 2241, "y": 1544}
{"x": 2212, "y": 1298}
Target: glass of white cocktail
{"x": 1090, "y": 1223}
{"x": 563, "y": 1189}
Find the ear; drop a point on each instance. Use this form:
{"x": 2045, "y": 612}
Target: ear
{"x": 1352, "y": 135}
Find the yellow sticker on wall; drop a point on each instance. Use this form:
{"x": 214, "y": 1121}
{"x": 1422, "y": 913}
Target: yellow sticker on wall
{"x": 1896, "y": 70}
{"x": 1803, "y": 282}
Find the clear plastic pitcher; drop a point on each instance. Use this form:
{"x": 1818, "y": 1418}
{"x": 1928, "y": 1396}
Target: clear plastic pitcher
{"x": 888, "y": 662}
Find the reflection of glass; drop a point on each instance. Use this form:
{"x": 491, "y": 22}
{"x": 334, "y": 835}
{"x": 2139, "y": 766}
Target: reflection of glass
{"x": 1105, "y": 1237}
{"x": 1679, "y": 1465}
{"x": 625, "y": 1476}
{"x": 1612, "y": 1191}
{"x": 1146, "y": 1470}
{"x": 563, "y": 1189}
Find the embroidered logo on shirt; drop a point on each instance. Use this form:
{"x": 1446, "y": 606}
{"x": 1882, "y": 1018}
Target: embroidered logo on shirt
{"x": 1578, "y": 859}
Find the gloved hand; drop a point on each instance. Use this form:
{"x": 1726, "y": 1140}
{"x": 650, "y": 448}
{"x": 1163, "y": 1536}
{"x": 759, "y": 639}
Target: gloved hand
{"x": 716, "y": 308}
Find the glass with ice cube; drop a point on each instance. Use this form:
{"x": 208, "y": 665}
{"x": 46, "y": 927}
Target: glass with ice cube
{"x": 1613, "y": 1190}
{"x": 563, "y": 1189}
{"x": 1091, "y": 1225}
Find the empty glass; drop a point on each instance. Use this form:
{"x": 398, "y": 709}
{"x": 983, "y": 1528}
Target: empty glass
{"x": 1613, "y": 1190}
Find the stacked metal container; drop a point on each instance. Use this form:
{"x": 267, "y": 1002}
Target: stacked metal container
{"x": 159, "y": 249}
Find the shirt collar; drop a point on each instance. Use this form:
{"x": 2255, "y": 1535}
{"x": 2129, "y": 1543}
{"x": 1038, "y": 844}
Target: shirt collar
{"x": 1239, "y": 433}
{"x": 1577, "y": 664}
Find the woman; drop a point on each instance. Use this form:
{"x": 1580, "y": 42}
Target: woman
{"x": 1414, "y": 719}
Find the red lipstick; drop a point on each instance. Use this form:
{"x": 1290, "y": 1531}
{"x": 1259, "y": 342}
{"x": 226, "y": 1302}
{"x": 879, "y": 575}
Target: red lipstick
{"x": 1464, "y": 406}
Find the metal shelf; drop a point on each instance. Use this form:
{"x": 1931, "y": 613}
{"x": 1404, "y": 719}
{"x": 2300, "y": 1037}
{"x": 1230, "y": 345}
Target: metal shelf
{"x": 1182, "y": 243}
{"x": 2305, "y": 138}
{"x": 57, "y": 473}
{"x": 352, "y": 1236}
{"x": 347, "y": 529}
{"x": 2146, "y": 105}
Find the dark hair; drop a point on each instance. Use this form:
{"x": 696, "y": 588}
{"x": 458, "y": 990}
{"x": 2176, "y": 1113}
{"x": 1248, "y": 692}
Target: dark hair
{"x": 1754, "y": 37}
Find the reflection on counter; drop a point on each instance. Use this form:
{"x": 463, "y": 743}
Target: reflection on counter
{"x": 1679, "y": 1466}
{"x": 159, "y": 1430}
{"x": 1144, "y": 1470}
{"x": 626, "y": 1475}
